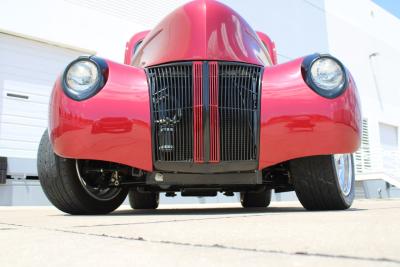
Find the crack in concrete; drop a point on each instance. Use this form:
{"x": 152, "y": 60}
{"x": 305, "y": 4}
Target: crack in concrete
{"x": 218, "y": 246}
{"x": 167, "y": 221}
{"x": 188, "y": 220}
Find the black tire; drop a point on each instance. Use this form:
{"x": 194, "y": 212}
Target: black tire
{"x": 260, "y": 199}
{"x": 143, "y": 200}
{"x": 317, "y": 185}
{"x": 59, "y": 180}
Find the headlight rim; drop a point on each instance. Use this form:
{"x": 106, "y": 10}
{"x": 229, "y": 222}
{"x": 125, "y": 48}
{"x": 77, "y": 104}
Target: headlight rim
{"x": 102, "y": 69}
{"x": 307, "y": 76}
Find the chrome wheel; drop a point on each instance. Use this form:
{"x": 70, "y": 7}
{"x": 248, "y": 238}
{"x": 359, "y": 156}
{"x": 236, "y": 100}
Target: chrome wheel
{"x": 344, "y": 172}
{"x": 96, "y": 191}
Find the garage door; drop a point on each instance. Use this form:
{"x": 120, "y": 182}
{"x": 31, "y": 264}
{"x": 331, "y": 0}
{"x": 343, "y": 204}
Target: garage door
{"x": 28, "y": 70}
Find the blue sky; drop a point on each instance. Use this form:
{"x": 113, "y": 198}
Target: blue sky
{"x": 393, "y": 6}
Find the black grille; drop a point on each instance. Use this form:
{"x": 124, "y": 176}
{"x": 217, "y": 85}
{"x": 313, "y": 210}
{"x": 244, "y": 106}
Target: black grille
{"x": 171, "y": 92}
{"x": 172, "y": 111}
{"x": 239, "y": 103}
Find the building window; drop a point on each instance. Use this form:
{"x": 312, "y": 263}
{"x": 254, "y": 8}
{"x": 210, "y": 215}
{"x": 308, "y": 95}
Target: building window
{"x": 388, "y": 136}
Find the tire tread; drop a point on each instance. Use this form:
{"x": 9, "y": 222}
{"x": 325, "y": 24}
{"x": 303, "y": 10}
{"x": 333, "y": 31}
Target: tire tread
{"x": 60, "y": 184}
{"x": 139, "y": 200}
{"x": 256, "y": 199}
{"x": 315, "y": 184}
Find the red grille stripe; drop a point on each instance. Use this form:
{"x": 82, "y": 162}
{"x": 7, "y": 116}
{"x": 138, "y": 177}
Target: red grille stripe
{"x": 214, "y": 113}
{"x": 198, "y": 150}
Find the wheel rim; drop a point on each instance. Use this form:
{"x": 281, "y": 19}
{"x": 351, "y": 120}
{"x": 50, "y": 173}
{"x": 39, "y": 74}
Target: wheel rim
{"x": 101, "y": 194}
{"x": 344, "y": 172}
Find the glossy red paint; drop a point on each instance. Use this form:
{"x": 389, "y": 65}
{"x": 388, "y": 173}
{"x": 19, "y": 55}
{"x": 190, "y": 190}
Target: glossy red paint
{"x": 202, "y": 30}
{"x": 114, "y": 125}
{"x": 198, "y": 148}
{"x": 297, "y": 122}
{"x": 270, "y": 45}
{"x": 130, "y": 46}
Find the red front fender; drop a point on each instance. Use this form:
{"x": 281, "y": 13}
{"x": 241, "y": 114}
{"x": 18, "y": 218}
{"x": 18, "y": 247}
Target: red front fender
{"x": 297, "y": 122}
{"x": 114, "y": 125}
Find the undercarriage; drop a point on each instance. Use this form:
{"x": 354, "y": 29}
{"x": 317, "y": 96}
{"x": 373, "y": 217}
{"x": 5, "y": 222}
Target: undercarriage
{"x": 105, "y": 174}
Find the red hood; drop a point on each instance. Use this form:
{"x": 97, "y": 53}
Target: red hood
{"x": 202, "y": 30}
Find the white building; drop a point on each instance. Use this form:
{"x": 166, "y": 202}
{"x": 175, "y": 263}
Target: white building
{"x": 38, "y": 38}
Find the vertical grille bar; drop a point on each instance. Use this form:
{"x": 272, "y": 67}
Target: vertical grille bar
{"x": 214, "y": 113}
{"x": 198, "y": 153}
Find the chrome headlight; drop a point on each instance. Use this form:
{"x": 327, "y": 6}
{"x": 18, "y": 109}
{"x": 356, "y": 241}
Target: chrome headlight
{"x": 84, "y": 77}
{"x": 325, "y": 75}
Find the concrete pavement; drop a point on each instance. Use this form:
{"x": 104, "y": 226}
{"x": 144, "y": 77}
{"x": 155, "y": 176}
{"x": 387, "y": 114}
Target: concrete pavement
{"x": 204, "y": 235}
